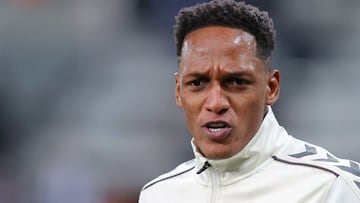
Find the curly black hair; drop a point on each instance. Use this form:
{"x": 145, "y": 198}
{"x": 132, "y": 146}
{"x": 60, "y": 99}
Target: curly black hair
{"x": 231, "y": 14}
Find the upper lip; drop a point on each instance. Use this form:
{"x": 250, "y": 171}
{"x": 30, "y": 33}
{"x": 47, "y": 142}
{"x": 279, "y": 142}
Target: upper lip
{"x": 226, "y": 124}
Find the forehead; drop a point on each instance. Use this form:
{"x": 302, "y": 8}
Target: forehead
{"x": 217, "y": 44}
{"x": 217, "y": 37}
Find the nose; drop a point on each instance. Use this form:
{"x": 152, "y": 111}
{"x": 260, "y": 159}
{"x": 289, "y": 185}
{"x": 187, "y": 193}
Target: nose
{"x": 216, "y": 101}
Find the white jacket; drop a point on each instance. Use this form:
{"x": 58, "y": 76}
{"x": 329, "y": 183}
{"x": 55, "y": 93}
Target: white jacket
{"x": 273, "y": 167}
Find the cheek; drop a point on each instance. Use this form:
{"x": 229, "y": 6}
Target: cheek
{"x": 190, "y": 109}
{"x": 258, "y": 96}
{"x": 192, "y": 103}
{"x": 250, "y": 110}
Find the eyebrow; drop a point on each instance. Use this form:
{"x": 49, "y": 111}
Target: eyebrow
{"x": 237, "y": 74}
{"x": 230, "y": 74}
{"x": 196, "y": 74}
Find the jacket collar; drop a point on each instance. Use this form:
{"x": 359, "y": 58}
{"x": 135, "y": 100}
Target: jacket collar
{"x": 269, "y": 139}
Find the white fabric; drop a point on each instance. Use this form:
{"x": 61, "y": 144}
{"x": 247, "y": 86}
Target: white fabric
{"x": 262, "y": 172}
{"x": 340, "y": 192}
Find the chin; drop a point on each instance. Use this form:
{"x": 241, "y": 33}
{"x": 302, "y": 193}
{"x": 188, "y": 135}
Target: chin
{"x": 215, "y": 151}
{"x": 218, "y": 154}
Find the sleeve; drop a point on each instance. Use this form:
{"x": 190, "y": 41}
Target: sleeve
{"x": 340, "y": 191}
{"x": 141, "y": 198}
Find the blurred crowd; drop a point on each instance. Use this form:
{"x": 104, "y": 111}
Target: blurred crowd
{"x": 87, "y": 105}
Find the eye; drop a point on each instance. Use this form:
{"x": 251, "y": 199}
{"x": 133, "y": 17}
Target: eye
{"x": 237, "y": 82}
{"x": 195, "y": 83}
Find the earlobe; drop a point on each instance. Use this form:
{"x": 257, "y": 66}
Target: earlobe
{"x": 177, "y": 90}
{"x": 273, "y": 89}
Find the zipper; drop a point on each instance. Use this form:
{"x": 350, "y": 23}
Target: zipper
{"x": 215, "y": 185}
{"x": 214, "y": 181}
{"x": 205, "y": 166}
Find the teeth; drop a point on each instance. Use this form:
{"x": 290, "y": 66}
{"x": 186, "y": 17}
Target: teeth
{"x": 215, "y": 129}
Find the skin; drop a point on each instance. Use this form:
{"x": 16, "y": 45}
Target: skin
{"x": 221, "y": 81}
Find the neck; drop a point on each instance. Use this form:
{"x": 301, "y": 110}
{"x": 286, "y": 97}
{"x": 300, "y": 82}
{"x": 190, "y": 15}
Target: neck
{"x": 269, "y": 139}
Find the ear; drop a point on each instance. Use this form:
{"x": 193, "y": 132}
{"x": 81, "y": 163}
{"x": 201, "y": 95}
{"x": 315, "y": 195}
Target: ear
{"x": 273, "y": 87}
{"x": 177, "y": 90}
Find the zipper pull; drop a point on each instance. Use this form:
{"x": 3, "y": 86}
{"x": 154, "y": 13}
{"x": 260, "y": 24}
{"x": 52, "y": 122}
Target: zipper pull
{"x": 205, "y": 166}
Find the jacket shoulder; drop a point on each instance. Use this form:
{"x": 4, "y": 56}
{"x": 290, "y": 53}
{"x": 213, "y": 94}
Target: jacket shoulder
{"x": 179, "y": 170}
{"x": 317, "y": 157}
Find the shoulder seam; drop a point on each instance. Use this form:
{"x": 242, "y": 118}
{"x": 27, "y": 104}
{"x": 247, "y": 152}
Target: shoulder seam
{"x": 304, "y": 164}
{"x": 165, "y": 178}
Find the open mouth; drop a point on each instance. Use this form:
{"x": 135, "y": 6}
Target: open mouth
{"x": 217, "y": 130}
{"x": 216, "y": 127}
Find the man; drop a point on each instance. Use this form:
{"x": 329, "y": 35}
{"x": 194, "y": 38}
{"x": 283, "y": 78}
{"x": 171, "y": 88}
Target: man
{"x": 226, "y": 87}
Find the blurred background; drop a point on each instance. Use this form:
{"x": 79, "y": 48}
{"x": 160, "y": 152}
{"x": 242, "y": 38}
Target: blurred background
{"x": 87, "y": 105}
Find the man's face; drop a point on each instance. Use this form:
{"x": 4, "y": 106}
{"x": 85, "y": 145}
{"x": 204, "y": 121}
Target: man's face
{"x": 223, "y": 88}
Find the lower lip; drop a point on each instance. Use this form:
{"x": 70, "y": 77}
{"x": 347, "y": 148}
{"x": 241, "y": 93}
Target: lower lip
{"x": 218, "y": 135}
